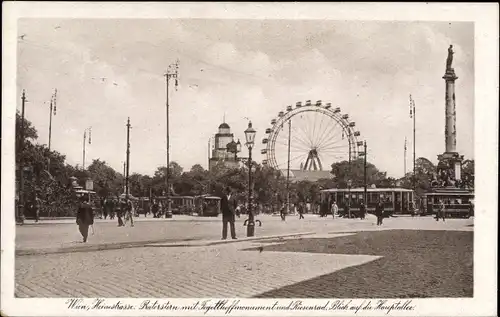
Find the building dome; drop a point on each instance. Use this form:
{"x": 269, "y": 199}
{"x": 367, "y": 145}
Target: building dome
{"x": 224, "y": 126}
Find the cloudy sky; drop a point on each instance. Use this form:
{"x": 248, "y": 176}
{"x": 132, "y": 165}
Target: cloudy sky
{"x": 240, "y": 68}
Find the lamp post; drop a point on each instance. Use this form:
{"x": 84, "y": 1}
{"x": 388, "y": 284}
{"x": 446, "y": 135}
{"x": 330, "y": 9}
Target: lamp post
{"x": 250, "y": 140}
{"x": 349, "y": 183}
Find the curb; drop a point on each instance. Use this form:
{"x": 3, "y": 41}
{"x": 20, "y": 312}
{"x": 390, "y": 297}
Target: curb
{"x": 149, "y": 243}
{"x": 201, "y": 243}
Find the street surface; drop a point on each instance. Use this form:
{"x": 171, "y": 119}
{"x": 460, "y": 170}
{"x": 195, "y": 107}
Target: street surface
{"x": 338, "y": 258}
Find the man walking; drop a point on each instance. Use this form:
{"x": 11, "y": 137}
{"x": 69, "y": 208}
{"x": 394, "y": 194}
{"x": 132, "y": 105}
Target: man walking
{"x": 84, "y": 217}
{"x": 228, "y": 206}
{"x": 379, "y": 212}
{"x": 120, "y": 212}
{"x": 37, "y": 204}
{"x": 334, "y": 209}
{"x": 301, "y": 211}
{"x": 362, "y": 210}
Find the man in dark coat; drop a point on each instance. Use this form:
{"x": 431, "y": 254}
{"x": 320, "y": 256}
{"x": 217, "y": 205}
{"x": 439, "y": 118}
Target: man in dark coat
{"x": 379, "y": 212}
{"x": 84, "y": 217}
{"x": 228, "y": 206}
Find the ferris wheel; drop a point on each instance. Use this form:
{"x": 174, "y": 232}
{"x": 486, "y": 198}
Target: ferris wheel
{"x": 310, "y": 137}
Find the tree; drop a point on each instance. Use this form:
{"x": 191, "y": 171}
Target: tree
{"x": 424, "y": 171}
{"x": 343, "y": 171}
{"x": 106, "y": 180}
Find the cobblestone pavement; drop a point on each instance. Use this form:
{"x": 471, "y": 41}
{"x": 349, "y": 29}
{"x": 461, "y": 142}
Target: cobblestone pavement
{"x": 182, "y": 228}
{"x": 413, "y": 264}
{"x": 370, "y": 263}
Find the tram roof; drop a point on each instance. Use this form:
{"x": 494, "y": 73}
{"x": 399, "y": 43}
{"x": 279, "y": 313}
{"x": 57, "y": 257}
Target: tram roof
{"x": 369, "y": 190}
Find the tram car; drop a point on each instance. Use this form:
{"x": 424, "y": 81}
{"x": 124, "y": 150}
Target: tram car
{"x": 457, "y": 204}
{"x": 395, "y": 200}
{"x": 208, "y": 206}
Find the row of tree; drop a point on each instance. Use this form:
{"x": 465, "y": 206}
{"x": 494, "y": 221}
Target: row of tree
{"x": 50, "y": 175}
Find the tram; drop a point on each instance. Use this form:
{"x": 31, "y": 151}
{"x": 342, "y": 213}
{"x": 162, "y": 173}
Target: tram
{"x": 395, "y": 200}
{"x": 459, "y": 204}
{"x": 208, "y": 206}
{"x": 203, "y": 205}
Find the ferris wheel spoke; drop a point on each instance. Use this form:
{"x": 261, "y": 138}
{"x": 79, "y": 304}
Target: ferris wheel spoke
{"x": 299, "y": 134}
{"x": 320, "y": 134}
{"x": 315, "y": 116}
{"x": 296, "y": 158}
{"x": 294, "y": 147}
{"x": 331, "y": 131}
{"x": 308, "y": 129}
{"x": 306, "y": 132}
{"x": 300, "y": 142}
{"x": 333, "y": 142}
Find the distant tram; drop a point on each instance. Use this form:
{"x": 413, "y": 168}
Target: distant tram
{"x": 456, "y": 204}
{"x": 395, "y": 200}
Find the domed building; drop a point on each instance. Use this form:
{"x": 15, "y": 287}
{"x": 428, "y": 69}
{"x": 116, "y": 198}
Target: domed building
{"x": 224, "y": 149}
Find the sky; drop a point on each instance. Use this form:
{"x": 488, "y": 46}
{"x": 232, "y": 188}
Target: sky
{"x": 240, "y": 70}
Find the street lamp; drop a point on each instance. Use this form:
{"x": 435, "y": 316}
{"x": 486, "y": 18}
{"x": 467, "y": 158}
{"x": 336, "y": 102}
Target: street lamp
{"x": 349, "y": 183}
{"x": 250, "y": 138}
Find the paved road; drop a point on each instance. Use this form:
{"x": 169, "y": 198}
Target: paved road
{"x": 183, "y": 228}
{"x": 287, "y": 267}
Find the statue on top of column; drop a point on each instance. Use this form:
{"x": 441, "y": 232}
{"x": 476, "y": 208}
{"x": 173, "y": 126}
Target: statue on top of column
{"x": 449, "y": 60}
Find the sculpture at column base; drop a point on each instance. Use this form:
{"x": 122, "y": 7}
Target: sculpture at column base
{"x": 449, "y": 172}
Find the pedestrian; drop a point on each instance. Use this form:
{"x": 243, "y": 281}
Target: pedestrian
{"x": 112, "y": 207}
{"x": 119, "y": 213}
{"x": 130, "y": 212}
{"x": 228, "y": 206}
{"x": 154, "y": 209}
{"x": 84, "y": 217}
{"x": 283, "y": 213}
{"x": 362, "y": 210}
{"x": 441, "y": 211}
{"x": 334, "y": 209}
{"x": 379, "y": 212}
{"x": 301, "y": 211}
{"x": 37, "y": 204}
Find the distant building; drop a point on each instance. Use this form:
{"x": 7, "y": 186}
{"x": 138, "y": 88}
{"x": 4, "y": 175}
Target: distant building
{"x": 224, "y": 150}
{"x": 311, "y": 176}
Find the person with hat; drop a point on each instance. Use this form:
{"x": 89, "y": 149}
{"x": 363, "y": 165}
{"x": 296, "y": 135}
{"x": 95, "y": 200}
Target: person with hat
{"x": 84, "y": 217}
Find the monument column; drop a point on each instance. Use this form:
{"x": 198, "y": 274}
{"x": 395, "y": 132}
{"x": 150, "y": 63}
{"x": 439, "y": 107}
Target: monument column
{"x": 450, "y": 108}
{"x": 450, "y": 162}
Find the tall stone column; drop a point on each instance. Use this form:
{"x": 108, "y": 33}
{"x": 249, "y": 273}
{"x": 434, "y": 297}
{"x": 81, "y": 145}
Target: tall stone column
{"x": 450, "y": 112}
{"x": 450, "y": 162}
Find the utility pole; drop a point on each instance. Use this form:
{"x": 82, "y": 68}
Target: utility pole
{"x": 288, "y": 168}
{"x": 366, "y": 185}
{"x": 412, "y": 114}
{"x": 128, "y": 161}
{"x": 208, "y": 166}
{"x": 171, "y": 73}
{"x": 20, "y": 213}
{"x": 84, "y": 143}
{"x": 405, "y": 159}
{"x": 53, "y": 109}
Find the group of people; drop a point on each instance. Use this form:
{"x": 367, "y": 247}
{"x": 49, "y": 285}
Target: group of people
{"x": 123, "y": 209}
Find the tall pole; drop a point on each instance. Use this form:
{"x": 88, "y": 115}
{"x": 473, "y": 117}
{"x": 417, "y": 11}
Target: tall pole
{"x": 20, "y": 214}
{"x": 128, "y": 161}
{"x": 365, "y": 181}
{"x": 250, "y": 212}
{"x": 84, "y": 139}
{"x": 288, "y": 168}
{"x": 414, "y": 175}
{"x": 404, "y": 159}
{"x": 349, "y": 184}
{"x": 208, "y": 166}
{"x": 50, "y": 123}
{"x": 171, "y": 73}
